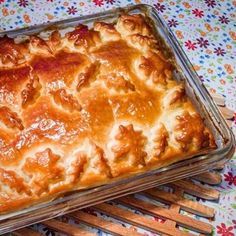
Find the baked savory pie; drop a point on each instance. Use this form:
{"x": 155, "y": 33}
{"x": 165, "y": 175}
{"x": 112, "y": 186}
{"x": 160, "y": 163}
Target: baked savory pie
{"x": 88, "y": 107}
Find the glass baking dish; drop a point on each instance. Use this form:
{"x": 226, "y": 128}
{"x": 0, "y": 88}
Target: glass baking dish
{"x": 186, "y": 168}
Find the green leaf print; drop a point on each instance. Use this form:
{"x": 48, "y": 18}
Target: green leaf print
{"x": 187, "y": 12}
{"x": 213, "y": 232}
{"x": 229, "y": 78}
{"x": 233, "y": 205}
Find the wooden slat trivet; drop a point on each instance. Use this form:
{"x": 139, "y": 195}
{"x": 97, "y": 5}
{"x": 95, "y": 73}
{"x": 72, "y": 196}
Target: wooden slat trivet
{"x": 176, "y": 201}
{"x": 227, "y": 113}
{"x": 26, "y": 232}
{"x": 197, "y": 189}
{"x": 66, "y": 228}
{"x": 185, "y": 204}
{"x": 170, "y": 214}
{"x": 209, "y": 178}
{"x": 120, "y": 209}
{"x": 102, "y": 224}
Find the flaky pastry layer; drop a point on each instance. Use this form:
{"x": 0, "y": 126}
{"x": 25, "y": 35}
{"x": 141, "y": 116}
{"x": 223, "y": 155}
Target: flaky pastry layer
{"x": 88, "y": 107}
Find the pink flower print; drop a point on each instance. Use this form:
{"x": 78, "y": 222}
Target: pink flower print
{"x": 160, "y": 7}
{"x": 1, "y": 1}
{"x": 72, "y": 10}
{"x": 224, "y": 20}
{"x": 230, "y": 178}
{"x": 173, "y": 23}
{"x": 225, "y": 231}
{"x": 210, "y": 3}
{"x": 110, "y": 1}
{"x": 203, "y": 43}
{"x": 98, "y": 2}
{"x": 219, "y": 51}
{"x": 190, "y": 45}
{"x": 234, "y": 222}
{"x": 198, "y": 13}
{"x": 23, "y": 3}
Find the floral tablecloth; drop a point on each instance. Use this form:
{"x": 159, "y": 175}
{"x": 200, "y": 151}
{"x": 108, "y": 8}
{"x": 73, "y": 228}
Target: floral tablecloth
{"x": 206, "y": 29}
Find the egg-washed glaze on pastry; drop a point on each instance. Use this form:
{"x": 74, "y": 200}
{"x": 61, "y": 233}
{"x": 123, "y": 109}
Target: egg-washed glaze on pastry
{"x": 87, "y": 108}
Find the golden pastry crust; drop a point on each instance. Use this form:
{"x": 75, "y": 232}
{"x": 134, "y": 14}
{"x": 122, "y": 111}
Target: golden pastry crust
{"x": 83, "y": 109}
{"x": 11, "y": 53}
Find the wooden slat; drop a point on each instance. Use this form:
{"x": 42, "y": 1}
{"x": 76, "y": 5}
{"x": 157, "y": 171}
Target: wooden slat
{"x": 185, "y": 204}
{"x": 138, "y": 220}
{"x": 197, "y": 190}
{"x": 107, "y": 226}
{"x": 227, "y": 113}
{"x": 171, "y": 223}
{"x": 229, "y": 122}
{"x": 212, "y": 178}
{"x": 66, "y": 228}
{"x": 26, "y": 232}
{"x": 220, "y": 167}
{"x": 218, "y": 99}
{"x": 154, "y": 210}
{"x": 175, "y": 207}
